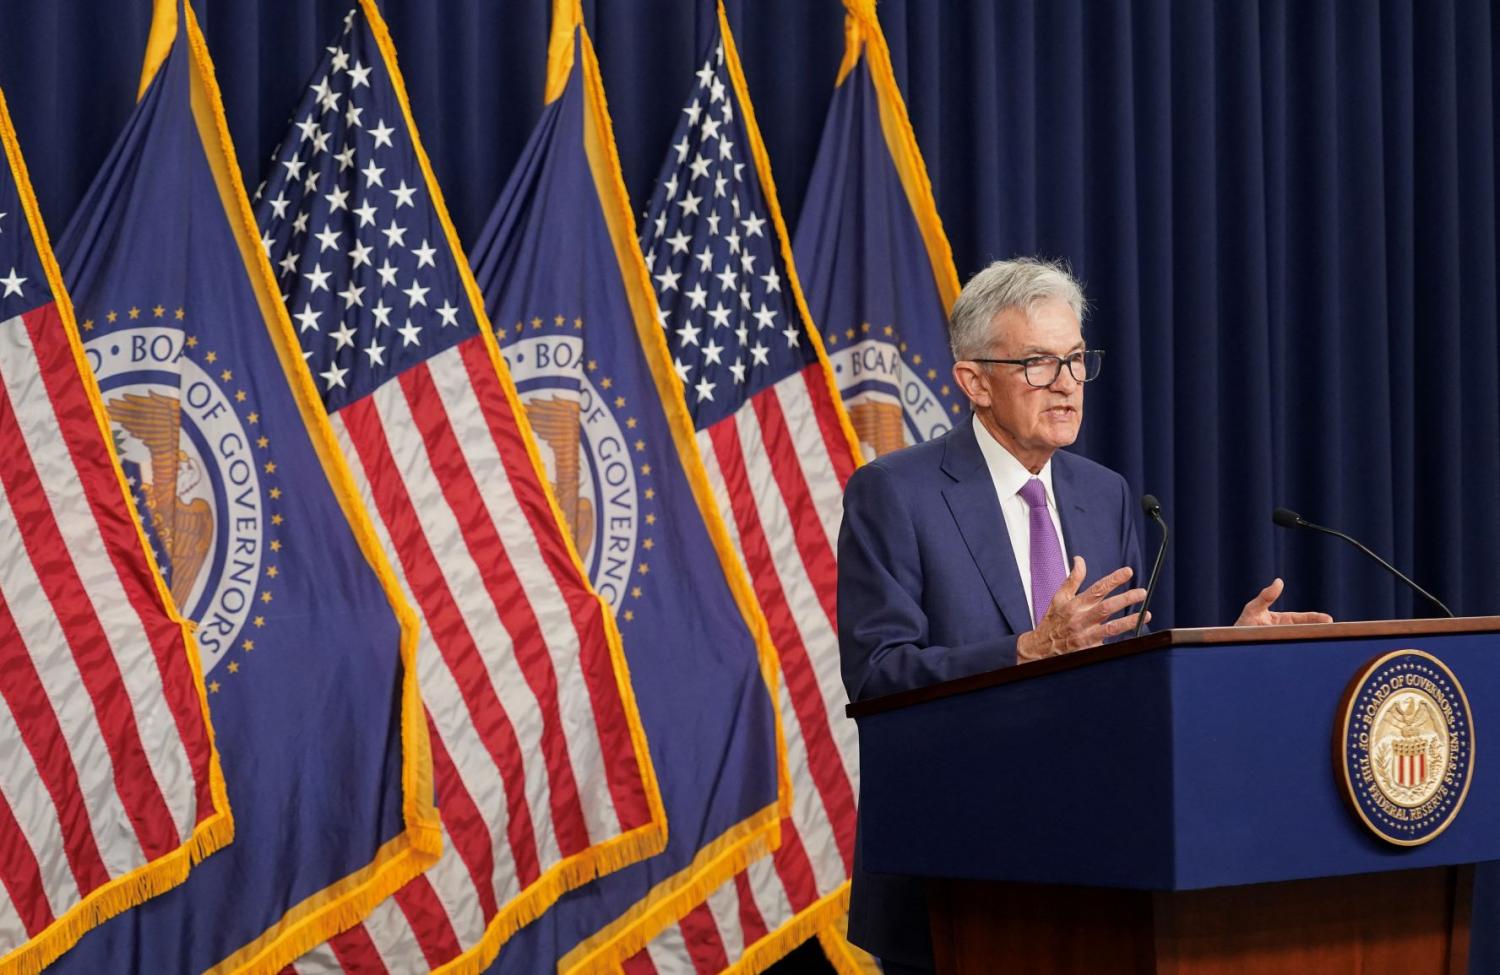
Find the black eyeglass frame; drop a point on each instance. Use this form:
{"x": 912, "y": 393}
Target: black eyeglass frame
{"x": 1029, "y": 361}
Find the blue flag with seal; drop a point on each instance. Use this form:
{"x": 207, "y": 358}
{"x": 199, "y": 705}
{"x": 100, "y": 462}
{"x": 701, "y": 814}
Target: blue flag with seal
{"x": 306, "y": 645}
{"x": 571, "y": 301}
{"x": 875, "y": 265}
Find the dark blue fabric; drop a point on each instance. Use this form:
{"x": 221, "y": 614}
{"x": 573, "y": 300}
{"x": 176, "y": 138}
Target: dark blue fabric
{"x": 870, "y": 283}
{"x": 1285, "y": 213}
{"x": 929, "y": 591}
{"x": 299, "y": 642}
{"x": 553, "y": 287}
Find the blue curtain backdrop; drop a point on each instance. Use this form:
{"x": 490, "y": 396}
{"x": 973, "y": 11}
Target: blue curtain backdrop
{"x": 1285, "y": 214}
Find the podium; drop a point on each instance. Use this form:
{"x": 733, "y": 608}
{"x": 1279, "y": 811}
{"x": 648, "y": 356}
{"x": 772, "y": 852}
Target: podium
{"x": 1173, "y": 804}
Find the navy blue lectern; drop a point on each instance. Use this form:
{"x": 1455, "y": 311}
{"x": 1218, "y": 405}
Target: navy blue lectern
{"x": 1172, "y": 804}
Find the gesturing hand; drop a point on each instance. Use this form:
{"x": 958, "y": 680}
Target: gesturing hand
{"x": 1258, "y": 612}
{"x": 1076, "y": 620}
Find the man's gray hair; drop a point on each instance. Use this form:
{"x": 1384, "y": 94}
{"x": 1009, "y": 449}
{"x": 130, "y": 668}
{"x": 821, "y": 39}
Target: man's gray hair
{"x": 1023, "y": 282}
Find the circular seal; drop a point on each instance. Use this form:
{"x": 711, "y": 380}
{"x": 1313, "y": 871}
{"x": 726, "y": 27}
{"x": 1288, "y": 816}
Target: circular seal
{"x": 587, "y": 451}
{"x": 889, "y": 403}
{"x": 189, "y": 462}
{"x": 1406, "y": 749}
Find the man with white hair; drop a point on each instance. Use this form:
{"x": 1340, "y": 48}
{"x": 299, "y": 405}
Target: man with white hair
{"x": 991, "y": 545}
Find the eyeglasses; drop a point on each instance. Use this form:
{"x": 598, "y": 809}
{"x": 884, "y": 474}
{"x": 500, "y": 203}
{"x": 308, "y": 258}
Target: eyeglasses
{"x": 1043, "y": 370}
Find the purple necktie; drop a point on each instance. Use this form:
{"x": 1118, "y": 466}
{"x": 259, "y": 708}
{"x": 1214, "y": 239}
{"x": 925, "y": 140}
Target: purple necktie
{"x": 1047, "y": 573}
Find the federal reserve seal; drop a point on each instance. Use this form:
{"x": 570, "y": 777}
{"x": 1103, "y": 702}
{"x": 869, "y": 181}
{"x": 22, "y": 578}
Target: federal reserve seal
{"x": 892, "y": 402}
{"x": 591, "y": 446}
{"x": 1407, "y": 746}
{"x": 182, "y": 426}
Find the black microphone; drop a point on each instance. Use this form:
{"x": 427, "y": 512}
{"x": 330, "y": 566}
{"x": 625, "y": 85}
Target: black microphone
{"x": 1290, "y": 519}
{"x": 1152, "y": 507}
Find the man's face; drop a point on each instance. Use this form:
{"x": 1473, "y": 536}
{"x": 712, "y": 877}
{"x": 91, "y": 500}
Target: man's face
{"x": 1028, "y": 421}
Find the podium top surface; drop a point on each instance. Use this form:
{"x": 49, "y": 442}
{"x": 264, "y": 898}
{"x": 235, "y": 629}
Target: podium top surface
{"x": 1187, "y": 637}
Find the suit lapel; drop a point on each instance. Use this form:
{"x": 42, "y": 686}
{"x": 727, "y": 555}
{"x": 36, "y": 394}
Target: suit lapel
{"x": 1081, "y": 520}
{"x": 972, "y": 502}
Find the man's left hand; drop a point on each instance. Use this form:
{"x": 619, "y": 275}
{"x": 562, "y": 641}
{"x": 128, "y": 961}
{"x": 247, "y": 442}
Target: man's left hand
{"x": 1258, "y": 612}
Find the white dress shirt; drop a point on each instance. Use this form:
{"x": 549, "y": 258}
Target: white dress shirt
{"x": 1010, "y": 475}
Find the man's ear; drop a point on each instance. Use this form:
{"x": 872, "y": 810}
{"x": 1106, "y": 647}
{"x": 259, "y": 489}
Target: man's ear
{"x": 973, "y": 380}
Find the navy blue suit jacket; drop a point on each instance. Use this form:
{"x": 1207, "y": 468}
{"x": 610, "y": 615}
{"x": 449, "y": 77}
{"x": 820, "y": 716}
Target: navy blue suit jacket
{"x": 929, "y": 590}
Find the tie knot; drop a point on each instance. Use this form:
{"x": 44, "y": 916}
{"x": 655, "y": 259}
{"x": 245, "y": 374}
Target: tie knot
{"x": 1034, "y": 493}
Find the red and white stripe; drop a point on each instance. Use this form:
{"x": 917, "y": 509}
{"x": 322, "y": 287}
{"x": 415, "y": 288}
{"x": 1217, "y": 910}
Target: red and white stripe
{"x": 532, "y": 752}
{"x": 104, "y": 746}
{"x": 778, "y": 468}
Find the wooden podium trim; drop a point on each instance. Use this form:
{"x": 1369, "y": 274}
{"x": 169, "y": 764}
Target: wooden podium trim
{"x": 1203, "y": 636}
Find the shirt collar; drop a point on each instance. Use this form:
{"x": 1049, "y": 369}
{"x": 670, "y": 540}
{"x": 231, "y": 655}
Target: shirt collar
{"x": 1009, "y": 474}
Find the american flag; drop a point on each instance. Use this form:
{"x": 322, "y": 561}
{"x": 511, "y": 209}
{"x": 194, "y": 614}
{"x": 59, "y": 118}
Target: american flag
{"x": 541, "y": 770}
{"x": 109, "y": 784}
{"x": 778, "y": 451}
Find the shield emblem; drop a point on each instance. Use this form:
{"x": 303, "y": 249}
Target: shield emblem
{"x": 1411, "y": 763}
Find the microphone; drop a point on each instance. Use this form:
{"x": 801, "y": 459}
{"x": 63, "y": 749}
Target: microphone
{"x": 1152, "y": 507}
{"x": 1290, "y": 519}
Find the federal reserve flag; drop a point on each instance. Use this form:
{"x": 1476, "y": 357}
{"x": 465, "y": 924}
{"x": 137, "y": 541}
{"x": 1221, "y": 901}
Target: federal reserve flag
{"x": 778, "y": 450}
{"x": 569, "y": 294}
{"x": 543, "y": 777}
{"x": 304, "y": 641}
{"x": 110, "y": 788}
{"x": 874, "y": 262}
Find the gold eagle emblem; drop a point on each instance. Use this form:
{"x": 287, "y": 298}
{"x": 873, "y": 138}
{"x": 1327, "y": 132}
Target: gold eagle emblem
{"x": 184, "y": 526}
{"x": 879, "y": 426}
{"x": 556, "y": 422}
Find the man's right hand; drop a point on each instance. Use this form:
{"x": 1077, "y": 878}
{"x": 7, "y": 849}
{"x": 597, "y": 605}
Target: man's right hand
{"x": 1076, "y": 620}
